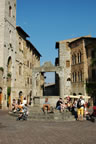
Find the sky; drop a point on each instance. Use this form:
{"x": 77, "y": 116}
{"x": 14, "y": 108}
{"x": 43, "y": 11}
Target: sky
{"x": 49, "y": 21}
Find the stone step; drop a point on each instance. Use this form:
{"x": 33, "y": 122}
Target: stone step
{"x": 52, "y": 117}
{"x": 36, "y": 113}
{"x": 57, "y": 116}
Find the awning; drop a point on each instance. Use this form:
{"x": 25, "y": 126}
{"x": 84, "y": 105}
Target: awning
{"x": 78, "y": 96}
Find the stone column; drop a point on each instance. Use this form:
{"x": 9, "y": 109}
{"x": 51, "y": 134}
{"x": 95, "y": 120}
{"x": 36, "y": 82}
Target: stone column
{"x": 33, "y": 84}
{"x": 34, "y": 77}
{"x": 61, "y": 83}
{"x": 4, "y": 99}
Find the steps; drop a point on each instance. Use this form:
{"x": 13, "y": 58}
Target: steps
{"x": 36, "y": 113}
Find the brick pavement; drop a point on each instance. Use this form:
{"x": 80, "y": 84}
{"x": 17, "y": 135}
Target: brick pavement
{"x": 38, "y": 132}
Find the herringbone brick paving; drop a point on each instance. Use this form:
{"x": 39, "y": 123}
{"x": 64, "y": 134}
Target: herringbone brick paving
{"x": 38, "y": 132}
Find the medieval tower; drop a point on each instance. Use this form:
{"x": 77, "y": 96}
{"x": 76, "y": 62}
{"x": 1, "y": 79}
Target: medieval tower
{"x": 7, "y": 44}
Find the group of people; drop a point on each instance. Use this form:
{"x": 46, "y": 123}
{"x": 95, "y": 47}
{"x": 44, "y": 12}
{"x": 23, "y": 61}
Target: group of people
{"x": 21, "y": 107}
{"x": 17, "y": 104}
{"x": 78, "y": 106}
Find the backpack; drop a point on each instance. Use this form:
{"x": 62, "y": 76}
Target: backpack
{"x": 79, "y": 103}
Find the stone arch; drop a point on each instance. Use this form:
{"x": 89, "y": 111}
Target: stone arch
{"x": 68, "y": 79}
{"x": 9, "y": 75}
{"x": 48, "y": 67}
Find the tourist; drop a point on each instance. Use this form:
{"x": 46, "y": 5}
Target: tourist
{"x": 58, "y": 104}
{"x": 46, "y": 104}
{"x": 14, "y": 106}
{"x": 63, "y": 106}
{"x": 74, "y": 106}
{"x": 69, "y": 105}
{"x": 80, "y": 108}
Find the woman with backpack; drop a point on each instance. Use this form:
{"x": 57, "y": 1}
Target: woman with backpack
{"x": 80, "y": 108}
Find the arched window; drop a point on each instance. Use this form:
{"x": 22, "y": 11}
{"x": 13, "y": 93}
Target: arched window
{"x": 68, "y": 79}
{"x": 79, "y": 57}
{"x": 10, "y": 11}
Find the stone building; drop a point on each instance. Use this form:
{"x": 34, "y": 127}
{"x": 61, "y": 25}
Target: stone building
{"x": 27, "y": 57}
{"x": 75, "y": 57}
{"x": 83, "y": 50}
{"x": 7, "y": 42}
{"x": 18, "y": 57}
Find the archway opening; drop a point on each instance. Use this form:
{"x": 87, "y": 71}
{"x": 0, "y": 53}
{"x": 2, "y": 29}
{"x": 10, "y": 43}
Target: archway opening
{"x": 50, "y": 84}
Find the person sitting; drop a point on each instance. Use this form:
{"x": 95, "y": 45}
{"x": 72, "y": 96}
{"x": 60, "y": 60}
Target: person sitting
{"x": 46, "y": 104}
{"x": 58, "y": 104}
{"x": 14, "y": 106}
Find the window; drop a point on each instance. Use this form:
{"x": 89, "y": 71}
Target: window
{"x": 30, "y": 65}
{"x": 31, "y": 81}
{"x": 10, "y": 11}
{"x": 80, "y": 77}
{"x": 28, "y": 80}
{"x": 74, "y": 94}
{"x": 20, "y": 70}
{"x": 19, "y": 45}
{"x": 67, "y": 63}
{"x": 74, "y": 77}
{"x": 79, "y": 57}
{"x": 10, "y": 37}
{"x": 27, "y": 63}
{"x": 94, "y": 74}
{"x": 68, "y": 79}
{"x": 93, "y": 54}
{"x": 74, "y": 59}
